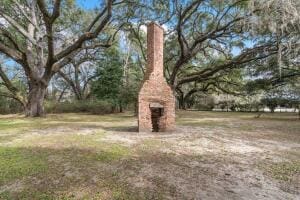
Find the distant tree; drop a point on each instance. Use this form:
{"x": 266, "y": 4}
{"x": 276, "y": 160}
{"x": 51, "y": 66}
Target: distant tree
{"x": 118, "y": 77}
{"x": 79, "y": 74}
{"x": 271, "y": 103}
{"x": 286, "y": 96}
{"x": 108, "y": 84}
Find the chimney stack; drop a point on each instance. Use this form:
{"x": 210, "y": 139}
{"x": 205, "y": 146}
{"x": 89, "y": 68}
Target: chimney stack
{"x": 156, "y": 99}
{"x": 155, "y": 41}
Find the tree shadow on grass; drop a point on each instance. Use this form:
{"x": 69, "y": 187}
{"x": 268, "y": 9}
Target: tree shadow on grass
{"x": 133, "y": 129}
{"x": 82, "y": 173}
{"x": 74, "y": 173}
{"x": 115, "y": 173}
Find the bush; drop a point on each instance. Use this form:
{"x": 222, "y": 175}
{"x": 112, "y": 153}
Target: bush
{"x": 10, "y": 106}
{"x": 93, "y": 107}
{"x": 233, "y": 107}
{"x": 271, "y": 103}
{"x": 204, "y": 107}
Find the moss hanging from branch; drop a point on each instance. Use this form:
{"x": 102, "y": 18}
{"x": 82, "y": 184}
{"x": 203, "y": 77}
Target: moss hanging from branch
{"x": 282, "y": 19}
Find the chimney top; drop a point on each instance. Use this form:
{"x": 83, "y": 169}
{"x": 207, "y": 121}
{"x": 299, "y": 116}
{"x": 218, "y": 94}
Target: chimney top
{"x": 155, "y": 24}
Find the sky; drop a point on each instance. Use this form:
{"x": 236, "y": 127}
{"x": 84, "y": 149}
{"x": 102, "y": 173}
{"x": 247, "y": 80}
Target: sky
{"x": 87, "y": 4}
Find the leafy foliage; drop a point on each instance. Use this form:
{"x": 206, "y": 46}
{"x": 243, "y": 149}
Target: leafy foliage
{"x": 108, "y": 85}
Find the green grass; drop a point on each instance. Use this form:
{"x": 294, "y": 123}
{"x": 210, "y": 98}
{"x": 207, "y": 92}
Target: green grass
{"x": 112, "y": 153}
{"x": 41, "y": 149}
{"x": 283, "y": 171}
{"x": 16, "y": 163}
{"x": 73, "y": 167}
{"x": 13, "y": 124}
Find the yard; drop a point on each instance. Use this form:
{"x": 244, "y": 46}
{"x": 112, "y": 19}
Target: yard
{"x": 212, "y": 155}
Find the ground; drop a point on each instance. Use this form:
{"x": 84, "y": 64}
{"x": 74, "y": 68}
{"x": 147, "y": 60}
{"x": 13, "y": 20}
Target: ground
{"x": 211, "y": 155}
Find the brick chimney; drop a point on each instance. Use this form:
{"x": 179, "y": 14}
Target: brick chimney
{"x": 156, "y": 99}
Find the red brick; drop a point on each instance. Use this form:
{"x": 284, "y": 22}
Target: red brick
{"x": 155, "y": 88}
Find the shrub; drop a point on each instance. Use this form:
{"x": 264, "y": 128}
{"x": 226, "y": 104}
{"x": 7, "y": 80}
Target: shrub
{"x": 271, "y": 103}
{"x": 9, "y": 106}
{"x": 204, "y": 107}
{"x": 93, "y": 107}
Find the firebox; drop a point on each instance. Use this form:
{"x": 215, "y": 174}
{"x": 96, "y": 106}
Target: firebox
{"x": 156, "y": 101}
{"x": 156, "y": 113}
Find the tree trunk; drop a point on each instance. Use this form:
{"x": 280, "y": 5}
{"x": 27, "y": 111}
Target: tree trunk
{"x": 120, "y": 108}
{"x": 136, "y": 108}
{"x": 299, "y": 111}
{"x": 35, "y": 104}
{"x": 181, "y": 102}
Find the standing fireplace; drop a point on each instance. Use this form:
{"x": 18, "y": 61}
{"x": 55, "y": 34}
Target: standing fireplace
{"x": 156, "y": 101}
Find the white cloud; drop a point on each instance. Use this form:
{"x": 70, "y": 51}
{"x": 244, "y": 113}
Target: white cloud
{"x": 165, "y": 27}
{"x": 3, "y": 21}
{"x": 144, "y": 27}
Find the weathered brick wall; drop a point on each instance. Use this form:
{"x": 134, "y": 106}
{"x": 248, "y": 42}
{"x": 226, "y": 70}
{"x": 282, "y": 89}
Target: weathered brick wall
{"x": 155, "y": 89}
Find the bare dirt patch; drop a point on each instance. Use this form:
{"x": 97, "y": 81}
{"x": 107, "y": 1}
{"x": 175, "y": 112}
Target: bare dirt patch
{"x": 226, "y": 158}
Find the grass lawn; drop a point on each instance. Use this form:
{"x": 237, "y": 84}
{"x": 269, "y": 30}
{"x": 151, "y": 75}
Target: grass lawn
{"x": 211, "y": 155}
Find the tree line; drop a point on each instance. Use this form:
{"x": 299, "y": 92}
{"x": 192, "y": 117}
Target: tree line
{"x": 59, "y": 51}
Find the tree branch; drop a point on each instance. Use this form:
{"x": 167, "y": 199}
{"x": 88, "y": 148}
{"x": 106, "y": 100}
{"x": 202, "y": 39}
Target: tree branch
{"x": 18, "y": 27}
{"x": 15, "y": 93}
{"x": 88, "y": 35}
{"x": 14, "y": 54}
{"x": 247, "y": 56}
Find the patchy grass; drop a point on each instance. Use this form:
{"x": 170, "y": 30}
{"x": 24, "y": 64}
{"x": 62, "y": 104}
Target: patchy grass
{"x": 81, "y": 156}
{"x": 284, "y": 171}
{"x": 17, "y": 163}
{"x": 45, "y": 158}
{"x": 112, "y": 153}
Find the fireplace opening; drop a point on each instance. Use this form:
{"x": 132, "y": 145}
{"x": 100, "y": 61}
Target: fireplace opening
{"x": 156, "y": 113}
